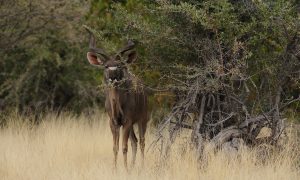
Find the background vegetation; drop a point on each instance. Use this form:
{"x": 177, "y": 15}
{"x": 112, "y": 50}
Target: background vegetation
{"x": 228, "y": 70}
{"x": 252, "y": 45}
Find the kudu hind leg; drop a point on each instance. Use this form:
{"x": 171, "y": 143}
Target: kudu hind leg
{"x": 134, "y": 141}
{"x": 142, "y": 132}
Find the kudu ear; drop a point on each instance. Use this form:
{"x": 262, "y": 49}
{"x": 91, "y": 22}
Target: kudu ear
{"x": 131, "y": 56}
{"x": 93, "y": 59}
{"x": 95, "y": 55}
{"x": 128, "y": 52}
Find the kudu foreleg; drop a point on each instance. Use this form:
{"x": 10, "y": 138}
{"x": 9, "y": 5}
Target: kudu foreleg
{"x": 126, "y": 133}
{"x": 116, "y": 135}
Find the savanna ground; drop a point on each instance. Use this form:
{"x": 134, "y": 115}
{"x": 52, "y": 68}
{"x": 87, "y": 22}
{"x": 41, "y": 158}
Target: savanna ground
{"x": 70, "y": 147}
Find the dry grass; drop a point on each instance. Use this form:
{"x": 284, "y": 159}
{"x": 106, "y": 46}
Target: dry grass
{"x": 70, "y": 147}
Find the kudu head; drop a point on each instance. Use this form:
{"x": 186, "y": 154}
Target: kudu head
{"x": 115, "y": 66}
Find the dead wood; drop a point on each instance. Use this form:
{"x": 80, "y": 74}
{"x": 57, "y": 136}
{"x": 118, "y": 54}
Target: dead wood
{"x": 231, "y": 106}
{"x": 221, "y": 118}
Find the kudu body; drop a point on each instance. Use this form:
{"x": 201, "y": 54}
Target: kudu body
{"x": 125, "y": 103}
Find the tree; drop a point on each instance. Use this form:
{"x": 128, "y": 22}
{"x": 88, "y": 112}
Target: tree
{"x": 233, "y": 65}
{"x": 42, "y": 56}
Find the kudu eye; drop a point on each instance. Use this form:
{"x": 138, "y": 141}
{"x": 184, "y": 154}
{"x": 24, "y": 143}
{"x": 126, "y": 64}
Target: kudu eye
{"x": 106, "y": 66}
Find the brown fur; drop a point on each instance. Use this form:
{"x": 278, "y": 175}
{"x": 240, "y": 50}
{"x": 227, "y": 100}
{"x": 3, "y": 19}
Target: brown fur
{"x": 126, "y": 105}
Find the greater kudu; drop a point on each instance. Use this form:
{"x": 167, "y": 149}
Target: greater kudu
{"x": 125, "y": 103}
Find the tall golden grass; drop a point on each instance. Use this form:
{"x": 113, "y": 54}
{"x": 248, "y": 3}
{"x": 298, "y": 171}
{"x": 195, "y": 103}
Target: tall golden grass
{"x": 69, "y": 147}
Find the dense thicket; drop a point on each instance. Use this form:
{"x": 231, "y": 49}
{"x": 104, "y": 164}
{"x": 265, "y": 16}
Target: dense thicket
{"x": 242, "y": 56}
{"x": 42, "y": 50}
{"x": 245, "y": 49}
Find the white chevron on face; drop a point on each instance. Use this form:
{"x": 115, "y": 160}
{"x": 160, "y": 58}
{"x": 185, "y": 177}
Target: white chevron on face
{"x": 112, "y": 68}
